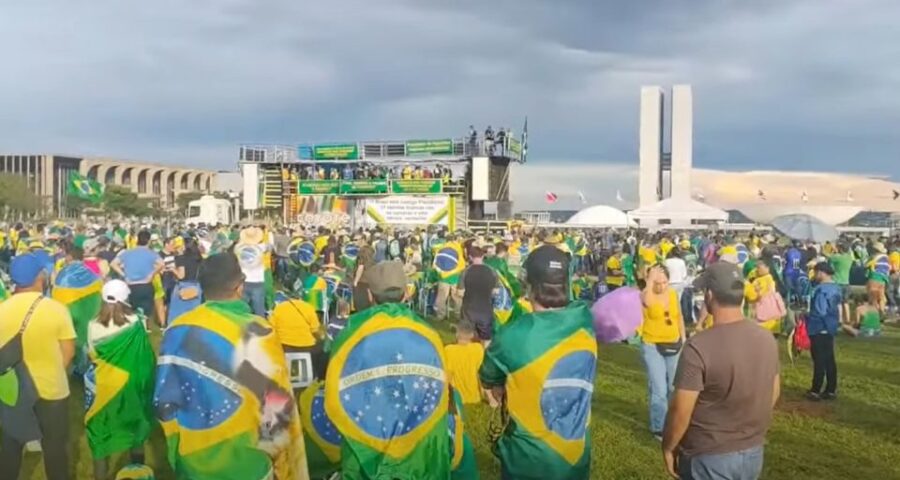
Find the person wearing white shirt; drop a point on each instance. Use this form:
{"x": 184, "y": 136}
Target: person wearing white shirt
{"x": 678, "y": 272}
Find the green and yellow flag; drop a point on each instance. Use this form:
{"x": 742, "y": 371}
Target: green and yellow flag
{"x": 85, "y": 188}
{"x": 78, "y": 288}
{"x": 118, "y": 392}
{"x": 387, "y": 393}
{"x": 4, "y": 293}
{"x": 462, "y": 453}
{"x": 323, "y": 442}
{"x": 224, "y": 399}
{"x": 549, "y": 386}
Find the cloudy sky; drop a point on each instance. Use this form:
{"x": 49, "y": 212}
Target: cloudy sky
{"x": 799, "y": 84}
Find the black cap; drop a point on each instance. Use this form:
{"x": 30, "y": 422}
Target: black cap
{"x": 825, "y": 268}
{"x": 547, "y": 265}
{"x": 723, "y": 279}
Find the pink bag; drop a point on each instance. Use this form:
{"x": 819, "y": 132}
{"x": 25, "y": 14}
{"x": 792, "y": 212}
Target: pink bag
{"x": 770, "y": 307}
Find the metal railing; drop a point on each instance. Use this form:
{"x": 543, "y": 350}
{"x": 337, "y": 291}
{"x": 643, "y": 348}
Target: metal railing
{"x": 442, "y": 149}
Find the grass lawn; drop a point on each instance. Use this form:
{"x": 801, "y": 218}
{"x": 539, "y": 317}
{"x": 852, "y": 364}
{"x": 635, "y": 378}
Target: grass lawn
{"x": 857, "y": 437}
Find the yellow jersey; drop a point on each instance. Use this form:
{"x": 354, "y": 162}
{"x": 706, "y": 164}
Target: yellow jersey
{"x": 295, "y": 322}
{"x": 463, "y": 362}
{"x": 661, "y": 320}
{"x": 614, "y": 263}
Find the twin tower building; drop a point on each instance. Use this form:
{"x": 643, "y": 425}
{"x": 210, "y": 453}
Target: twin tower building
{"x": 665, "y": 172}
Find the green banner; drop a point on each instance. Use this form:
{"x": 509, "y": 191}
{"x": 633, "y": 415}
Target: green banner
{"x": 417, "y": 186}
{"x": 514, "y": 148}
{"x": 429, "y": 147}
{"x": 319, "y": 187}
{"x": 341, "y": 151}
{"x": 364, "y": 187}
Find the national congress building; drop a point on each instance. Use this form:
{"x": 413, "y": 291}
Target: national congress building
{"x": 48, "y": 175}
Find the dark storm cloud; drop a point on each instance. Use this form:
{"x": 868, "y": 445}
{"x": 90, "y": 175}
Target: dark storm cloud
{"x": 807, "y": 83}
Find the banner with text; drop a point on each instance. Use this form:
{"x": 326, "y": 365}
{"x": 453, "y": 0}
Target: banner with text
{"x": 418, "y": 186}
{"x": 336, "y": 151}
{"x": 409, "y": 210}
{"x": 429, "y": 147}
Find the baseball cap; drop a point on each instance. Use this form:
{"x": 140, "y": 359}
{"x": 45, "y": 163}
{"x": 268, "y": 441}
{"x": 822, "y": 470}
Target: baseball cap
{"x": 547, "y": 265}
{"x": 24, "y": 269}
{"x": 116, "y": 291}
{"x": 386, "y": 276}
{"x": 825, "y": 268}
{"x": 724, "y": 279}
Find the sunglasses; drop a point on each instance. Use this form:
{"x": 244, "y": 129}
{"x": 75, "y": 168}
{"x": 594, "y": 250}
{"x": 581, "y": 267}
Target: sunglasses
{"x": 668, "y": 318}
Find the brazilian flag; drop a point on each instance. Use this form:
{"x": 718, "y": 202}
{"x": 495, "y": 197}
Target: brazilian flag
{"x": 224, "y": 399}
{"x": 462, "y": 453}
{"x": 85, "y": 188}
{"x": 387, "y": 393}
{"x": 78, "y": 288}
{"x": 501, "y": 266}
{"x": 313, "y": 288}
{"x": 349, "y": 254}
{"x": 549, "y": 386}
{"x": 323, "y": 441}
{"x": 449, "y": 262}
{"x": 4, "y": 293}
{"x": 118, "y": 392}
{"x": 302, "y": 252}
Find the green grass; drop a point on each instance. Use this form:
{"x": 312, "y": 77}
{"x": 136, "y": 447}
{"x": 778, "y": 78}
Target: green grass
{"x": 857, "y": 437}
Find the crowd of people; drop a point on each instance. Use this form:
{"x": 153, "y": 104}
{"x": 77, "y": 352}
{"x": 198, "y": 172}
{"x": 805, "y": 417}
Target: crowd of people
{"x": 304, "y": 353}
{"x": 348, "y": 171}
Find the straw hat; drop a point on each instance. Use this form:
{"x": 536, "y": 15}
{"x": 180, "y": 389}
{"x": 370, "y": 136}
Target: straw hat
{"x": 251, "y": 235}
{"x": 879, "y": 247}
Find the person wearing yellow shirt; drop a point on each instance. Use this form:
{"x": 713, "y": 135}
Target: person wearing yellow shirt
{"x": 762, "y": 286}
{"x": 43, "y": 332}
{"x": 463, "y": 361}
{"x": 666, "y": 246}
{"x": 615, "y": 276}
{"x": 662, "y": 336}
{"x": 298, "y": 328}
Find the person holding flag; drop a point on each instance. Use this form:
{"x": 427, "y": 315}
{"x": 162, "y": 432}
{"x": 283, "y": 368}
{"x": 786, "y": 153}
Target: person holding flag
{"x": 546, "y": 389}
{"x": 119, "y": 381}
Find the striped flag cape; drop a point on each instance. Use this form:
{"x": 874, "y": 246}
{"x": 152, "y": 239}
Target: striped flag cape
{"x": 224, "y": 399}
{"x": 449, "y": 262}
{"x": 387, "y": 393}
{"x": 313, "y": 288}
{"x": 78, "y": 288}
{"x": 118, "y": 392}
{"x": 549, "y": 387}
{"x": 323, "y": 441}
{"x": 4, "y": 293}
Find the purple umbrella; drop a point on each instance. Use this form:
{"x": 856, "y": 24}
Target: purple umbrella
{"x": 617, "y": 315}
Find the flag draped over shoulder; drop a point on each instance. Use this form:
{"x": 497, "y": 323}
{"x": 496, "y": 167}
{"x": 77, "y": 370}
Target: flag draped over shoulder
{"x": 449, "y": 262}
{"x": 4, "y": 293}
{"x": 118, "y": 392}
{"x": 85, "y": 188}
{"x": 78, "y": 288}
{"x": 387, "y": 393}
{"x": 323, "y": 441}
{"x": 224, "y": 399}
{"x": 462, "y": 453}
{"x": 315, "y": 289}
{"x": 549, "y": 386}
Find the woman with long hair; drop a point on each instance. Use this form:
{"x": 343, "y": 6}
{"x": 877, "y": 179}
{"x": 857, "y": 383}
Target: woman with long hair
{"x": 662, "y": 336}
{"x": 187, "y": 294}
{"x": 119, "y": 381}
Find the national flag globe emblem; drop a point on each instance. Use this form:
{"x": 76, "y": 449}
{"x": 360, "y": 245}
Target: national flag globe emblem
{"x": 303, "y": 253}
{"x": 566, "y": 396}
{"x": 391, "y": 382}
{"x": 447, "y": 260}
{"x": 351, "y": 251}
{"x": 743, "y": 254}
{"x": 249, "y": 256}
{"x": 75, "y": 275}
{"x": 84, "y": 187}
{"x": 199, "y": 391}
{"x": 502, "y": 299}
{"x": 323, "y": 425}
{"x": 883, "y": 265}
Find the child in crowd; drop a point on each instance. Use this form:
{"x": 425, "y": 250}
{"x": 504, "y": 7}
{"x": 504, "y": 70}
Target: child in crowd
{"x": 463, "y": 361}
{"x": 822, "y": 324}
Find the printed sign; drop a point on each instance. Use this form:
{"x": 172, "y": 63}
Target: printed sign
{"x": 364, "y": 187}
{"x": 417, "y": 186}
{"x": 429, "y": 147}
{"x": 319, "y": 187}
{"x": 409, "y": 210}
{"x": 337, "y": 151}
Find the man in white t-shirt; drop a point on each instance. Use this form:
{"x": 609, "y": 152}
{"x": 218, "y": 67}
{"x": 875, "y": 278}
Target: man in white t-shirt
{"x": 677, "y": 271}
{"x": 250, "y": 252}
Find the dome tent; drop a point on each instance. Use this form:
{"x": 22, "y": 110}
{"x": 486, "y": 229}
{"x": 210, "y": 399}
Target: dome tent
{"x": 601, "y": 216}
{"x": 677, "y": 212}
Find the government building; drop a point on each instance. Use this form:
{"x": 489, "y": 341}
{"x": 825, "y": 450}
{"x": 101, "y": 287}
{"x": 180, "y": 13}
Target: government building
{"x": 48, "y": 175}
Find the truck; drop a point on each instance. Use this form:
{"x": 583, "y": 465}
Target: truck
{"x": 209, "y": 210}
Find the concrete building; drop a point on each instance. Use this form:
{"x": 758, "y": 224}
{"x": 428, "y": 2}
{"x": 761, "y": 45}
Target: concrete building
{"x": 665, "y": 174}
{"x": 48, "y": 175}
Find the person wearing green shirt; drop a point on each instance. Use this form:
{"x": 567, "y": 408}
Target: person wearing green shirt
{"x": 628, "y": 269}
{"x": 546, "y": 389}
{"x": 842, "y": 262}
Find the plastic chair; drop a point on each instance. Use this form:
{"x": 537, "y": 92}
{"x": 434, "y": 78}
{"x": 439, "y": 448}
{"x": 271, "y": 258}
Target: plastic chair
{"x": 300, "y": 369}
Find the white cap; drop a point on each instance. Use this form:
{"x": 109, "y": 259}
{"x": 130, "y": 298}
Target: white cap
{"x": 116, "y": 291}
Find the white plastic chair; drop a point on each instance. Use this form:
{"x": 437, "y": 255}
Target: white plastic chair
{"x": 300, "y": 369}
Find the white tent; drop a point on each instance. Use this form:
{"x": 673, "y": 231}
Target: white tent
{"x": 678, "y": 212}
{"x": 601, "y": 216}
